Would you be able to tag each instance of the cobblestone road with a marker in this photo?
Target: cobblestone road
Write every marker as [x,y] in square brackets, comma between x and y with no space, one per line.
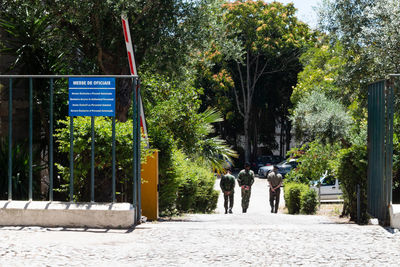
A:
[256,238]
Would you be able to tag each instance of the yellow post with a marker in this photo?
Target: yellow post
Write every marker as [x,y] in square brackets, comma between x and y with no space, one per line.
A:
[149,197]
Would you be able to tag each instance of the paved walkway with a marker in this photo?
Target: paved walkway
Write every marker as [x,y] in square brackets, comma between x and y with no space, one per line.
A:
[257,238]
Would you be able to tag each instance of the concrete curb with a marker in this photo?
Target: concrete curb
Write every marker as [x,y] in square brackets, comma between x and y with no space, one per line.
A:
[66,214]
[394,211]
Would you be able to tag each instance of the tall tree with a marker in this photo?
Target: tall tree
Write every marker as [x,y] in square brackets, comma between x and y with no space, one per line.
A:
[271,39]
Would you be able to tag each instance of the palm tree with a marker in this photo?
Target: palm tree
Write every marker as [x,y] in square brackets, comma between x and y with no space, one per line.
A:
[213,151]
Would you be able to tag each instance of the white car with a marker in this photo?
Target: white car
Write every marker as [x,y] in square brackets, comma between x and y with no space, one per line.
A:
[329,188]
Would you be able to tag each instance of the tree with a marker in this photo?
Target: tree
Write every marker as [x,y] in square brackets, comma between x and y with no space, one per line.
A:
[381,36]
[317,117]
[87,36]
[173,108]
[323,65]
[271,39]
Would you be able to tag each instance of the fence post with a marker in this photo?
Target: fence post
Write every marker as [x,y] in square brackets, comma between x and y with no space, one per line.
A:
[30,135]
[139,137]
[358,205]
[113,158]
[134,133]
[10,142]
[51,143]
[92,162]
[71,158]
[319,193]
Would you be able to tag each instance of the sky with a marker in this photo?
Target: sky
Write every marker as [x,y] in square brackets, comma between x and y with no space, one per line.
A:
[305,11]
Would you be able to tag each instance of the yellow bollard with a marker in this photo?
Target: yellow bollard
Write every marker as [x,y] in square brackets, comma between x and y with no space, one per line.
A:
[149,174]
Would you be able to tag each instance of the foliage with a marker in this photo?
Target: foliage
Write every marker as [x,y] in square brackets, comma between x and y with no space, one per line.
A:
[185,185]
[315,159]
[168,179]
[196,189]
[173,107]
[26,25]
[317,117]
[20,172]
[352,171]
[323,65]
[175,124]
[381,37]
[396,159]
[292,195]
[103,163]
[270,39]
[346,21]
[308,201]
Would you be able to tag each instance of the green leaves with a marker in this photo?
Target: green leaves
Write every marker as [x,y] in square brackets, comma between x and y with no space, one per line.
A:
[103,156]
[173,108]
[315,159]
[317,117]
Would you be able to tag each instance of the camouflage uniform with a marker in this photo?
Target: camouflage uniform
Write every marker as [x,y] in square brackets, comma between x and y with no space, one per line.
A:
[227,185]
[274,179]
[245,180]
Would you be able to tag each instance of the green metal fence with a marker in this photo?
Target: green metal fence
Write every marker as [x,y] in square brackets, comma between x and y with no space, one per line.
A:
[135,149]
[380,149]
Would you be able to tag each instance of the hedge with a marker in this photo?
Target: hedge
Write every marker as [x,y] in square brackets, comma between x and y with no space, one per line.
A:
[300,198]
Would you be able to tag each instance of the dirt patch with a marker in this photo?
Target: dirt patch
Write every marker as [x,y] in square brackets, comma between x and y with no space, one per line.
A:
[333,211]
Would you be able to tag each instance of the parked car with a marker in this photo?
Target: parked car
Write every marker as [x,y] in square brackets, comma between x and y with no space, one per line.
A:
[283,168]
[287,166]
[329,187]
[266,160]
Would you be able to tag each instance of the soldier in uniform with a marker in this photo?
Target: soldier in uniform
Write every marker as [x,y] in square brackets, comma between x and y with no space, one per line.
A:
[246,180]
[275,183]
[227,185]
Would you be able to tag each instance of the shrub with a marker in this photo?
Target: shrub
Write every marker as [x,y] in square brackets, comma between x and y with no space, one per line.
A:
[352,170]
[167,176]
[196,186]
[315,158]
[103,162]
[308,201]
[292,195]
[20,171]
[319,117]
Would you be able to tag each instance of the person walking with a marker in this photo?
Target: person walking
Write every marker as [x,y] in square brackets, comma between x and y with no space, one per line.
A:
[275,183]
[227,185]
[245,181]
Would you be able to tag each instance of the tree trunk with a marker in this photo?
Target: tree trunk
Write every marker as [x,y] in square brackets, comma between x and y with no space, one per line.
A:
[246,137]
[255,141]
[282,139]
[288,135]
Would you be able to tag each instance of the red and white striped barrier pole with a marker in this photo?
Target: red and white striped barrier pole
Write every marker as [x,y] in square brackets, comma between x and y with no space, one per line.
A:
[132,67]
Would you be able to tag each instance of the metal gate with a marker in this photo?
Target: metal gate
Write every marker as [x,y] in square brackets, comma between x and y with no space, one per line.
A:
[135,149]
[380,149]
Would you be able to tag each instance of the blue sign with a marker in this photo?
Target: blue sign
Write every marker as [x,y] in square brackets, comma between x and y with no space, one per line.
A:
[91,96]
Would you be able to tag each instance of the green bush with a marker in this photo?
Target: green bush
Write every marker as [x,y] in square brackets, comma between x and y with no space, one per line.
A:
[20,171]
[103,158]
[167,176]
[196,186]
[352,171]
[292,195]
[315,158]
[308,201]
